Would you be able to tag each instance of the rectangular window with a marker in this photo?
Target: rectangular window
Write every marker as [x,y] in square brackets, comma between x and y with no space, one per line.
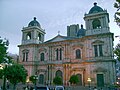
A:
[26,56]
[60,54]
[23,57]
[42,56]
[57,54]
[78,54]
[100,50]
[95,50]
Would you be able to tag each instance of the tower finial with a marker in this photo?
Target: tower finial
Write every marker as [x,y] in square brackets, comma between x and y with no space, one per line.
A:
[81,26]
[58,32]
[34,18]
[95,4]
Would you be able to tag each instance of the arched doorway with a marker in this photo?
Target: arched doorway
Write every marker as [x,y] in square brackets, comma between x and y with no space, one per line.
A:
[80,79]
[58,73]
[41,79]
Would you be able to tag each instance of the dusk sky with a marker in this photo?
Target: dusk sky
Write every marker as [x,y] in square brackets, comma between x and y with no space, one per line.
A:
[53,16]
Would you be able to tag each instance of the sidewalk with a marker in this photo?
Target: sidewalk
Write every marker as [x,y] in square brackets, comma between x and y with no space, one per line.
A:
[85,88]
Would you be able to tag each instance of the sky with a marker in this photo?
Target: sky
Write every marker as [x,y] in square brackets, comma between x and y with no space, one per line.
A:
[53,16]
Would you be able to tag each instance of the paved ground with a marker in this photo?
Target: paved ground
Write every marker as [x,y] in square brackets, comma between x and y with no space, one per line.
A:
[20,87]
[86,88]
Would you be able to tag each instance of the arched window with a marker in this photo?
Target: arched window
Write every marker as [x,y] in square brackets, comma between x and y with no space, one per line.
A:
[39,37]
[28,36]
[42,56]
[78,54]
[58,73]
[96,24]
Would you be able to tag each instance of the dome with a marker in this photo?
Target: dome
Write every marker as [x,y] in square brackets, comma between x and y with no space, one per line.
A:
[95,9]
[81,32]
[34,23]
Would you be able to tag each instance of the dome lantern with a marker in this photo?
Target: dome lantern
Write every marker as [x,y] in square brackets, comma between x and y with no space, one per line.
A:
[95,9]
[34,23]
[81,32]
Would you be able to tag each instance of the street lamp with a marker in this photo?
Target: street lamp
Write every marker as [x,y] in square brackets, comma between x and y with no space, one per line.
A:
[89,81]
[27,81]
[35,78]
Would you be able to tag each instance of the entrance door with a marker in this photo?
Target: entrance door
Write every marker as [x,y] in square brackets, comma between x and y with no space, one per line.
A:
[100,80]
[41,79]
[80,79]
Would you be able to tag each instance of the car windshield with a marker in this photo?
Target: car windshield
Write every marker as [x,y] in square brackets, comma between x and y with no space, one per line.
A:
[41,88]
[59,88]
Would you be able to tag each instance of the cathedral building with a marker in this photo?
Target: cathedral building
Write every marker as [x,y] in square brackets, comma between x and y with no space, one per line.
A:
[87,53]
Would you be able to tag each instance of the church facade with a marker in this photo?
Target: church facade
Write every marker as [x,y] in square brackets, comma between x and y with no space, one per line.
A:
[87,53]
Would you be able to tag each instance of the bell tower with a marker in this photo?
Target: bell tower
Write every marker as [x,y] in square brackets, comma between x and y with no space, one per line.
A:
[97,21]
[33,34]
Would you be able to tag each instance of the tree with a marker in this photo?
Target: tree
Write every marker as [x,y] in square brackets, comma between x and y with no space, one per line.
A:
[117,13]
[117,51]
[74,79]
[57,80]
[3,49]
[16,73]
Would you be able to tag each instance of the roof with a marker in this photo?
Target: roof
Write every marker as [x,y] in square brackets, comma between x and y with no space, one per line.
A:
[95,9]
[59,38]
[34,23]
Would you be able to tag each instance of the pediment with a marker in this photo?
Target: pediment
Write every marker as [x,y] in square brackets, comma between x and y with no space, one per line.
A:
[100,69]
[98,42]
[57,38]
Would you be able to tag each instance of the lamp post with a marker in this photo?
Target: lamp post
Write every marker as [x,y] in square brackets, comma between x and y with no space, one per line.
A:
[89,81]
[27,81]
[35,78]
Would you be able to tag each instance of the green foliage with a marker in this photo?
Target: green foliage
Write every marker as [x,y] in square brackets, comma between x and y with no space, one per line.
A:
[16,73]
[117,13]
[33,79]
[117,51]
[74,79]
[3,49]
[57,80]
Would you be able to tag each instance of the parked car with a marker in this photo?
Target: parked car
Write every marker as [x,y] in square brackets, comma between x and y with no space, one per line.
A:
[59,88]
